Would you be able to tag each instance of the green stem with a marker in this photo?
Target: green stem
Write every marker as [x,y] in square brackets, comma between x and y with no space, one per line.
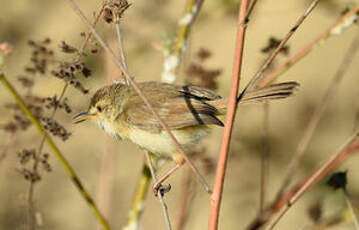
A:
[137,208]
[75,179]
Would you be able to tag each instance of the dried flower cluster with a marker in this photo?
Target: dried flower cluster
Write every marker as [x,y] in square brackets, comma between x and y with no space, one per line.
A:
[199,75]
[19,121]
[55,128]
[41,57]
[68,72]
[114,10]
[32,174]
[53,102]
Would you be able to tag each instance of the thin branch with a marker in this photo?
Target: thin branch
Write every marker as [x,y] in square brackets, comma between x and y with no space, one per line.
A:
[257,77]
[159,192]
[75,179]
[122,51]
[94,22]
[174,55]
[140,93]
[216,197]
[318,113]
[349,148]
[249,12]
[337,28]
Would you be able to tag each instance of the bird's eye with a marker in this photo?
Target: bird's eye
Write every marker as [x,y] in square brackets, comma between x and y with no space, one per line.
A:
[99,108]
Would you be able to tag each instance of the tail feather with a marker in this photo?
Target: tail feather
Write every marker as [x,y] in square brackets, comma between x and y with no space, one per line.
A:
[272,92]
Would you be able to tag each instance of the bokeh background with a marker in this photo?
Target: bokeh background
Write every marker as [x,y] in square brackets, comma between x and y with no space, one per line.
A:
[90,150]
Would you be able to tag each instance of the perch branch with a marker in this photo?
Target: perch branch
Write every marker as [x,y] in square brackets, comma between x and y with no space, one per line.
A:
[216,197]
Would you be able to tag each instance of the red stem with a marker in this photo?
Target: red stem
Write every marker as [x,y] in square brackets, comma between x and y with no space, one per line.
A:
[216,197]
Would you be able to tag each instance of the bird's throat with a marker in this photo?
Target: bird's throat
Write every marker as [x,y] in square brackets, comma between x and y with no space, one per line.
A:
[108,128]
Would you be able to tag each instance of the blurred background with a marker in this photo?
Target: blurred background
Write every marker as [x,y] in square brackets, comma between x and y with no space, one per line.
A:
[110,169]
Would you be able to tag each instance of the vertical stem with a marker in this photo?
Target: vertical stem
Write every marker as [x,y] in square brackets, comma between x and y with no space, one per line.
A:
[137,207]
[216,196]
[159,193]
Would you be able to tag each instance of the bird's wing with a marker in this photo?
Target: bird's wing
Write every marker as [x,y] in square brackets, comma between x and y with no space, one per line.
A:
[178,106]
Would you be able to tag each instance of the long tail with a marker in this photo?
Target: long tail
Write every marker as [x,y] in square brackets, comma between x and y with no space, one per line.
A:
[271,92]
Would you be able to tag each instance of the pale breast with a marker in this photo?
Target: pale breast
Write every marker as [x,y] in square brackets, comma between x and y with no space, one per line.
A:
[161,143]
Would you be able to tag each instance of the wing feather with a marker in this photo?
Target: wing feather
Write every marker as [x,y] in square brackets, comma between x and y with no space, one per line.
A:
[178,106]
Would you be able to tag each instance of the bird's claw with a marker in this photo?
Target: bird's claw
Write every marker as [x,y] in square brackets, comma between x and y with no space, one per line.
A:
[162,189]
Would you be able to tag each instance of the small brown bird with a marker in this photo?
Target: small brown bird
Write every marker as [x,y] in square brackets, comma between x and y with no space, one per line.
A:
[189,112]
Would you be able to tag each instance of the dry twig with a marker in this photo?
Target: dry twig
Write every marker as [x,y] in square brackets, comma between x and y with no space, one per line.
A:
[288,199]
[258,76]
[159,192]
[216,197]
[337,28]
[318,113]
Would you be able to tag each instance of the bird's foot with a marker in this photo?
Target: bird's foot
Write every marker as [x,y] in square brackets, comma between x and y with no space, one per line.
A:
[162,189]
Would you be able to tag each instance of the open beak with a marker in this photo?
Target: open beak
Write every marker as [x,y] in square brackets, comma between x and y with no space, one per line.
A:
[83,116]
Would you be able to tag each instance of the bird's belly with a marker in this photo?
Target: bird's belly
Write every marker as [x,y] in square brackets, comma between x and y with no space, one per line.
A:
[161,143]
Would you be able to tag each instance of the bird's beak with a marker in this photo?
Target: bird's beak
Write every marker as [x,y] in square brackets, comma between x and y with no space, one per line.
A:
[83,116]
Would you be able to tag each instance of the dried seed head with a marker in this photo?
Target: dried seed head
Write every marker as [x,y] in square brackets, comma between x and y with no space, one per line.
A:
[114,10]
[55,128]
[41,57]
[107,15]
[66,48]
[25,155]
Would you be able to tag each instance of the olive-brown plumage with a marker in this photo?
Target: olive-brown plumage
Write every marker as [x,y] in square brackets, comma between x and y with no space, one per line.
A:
[189,112]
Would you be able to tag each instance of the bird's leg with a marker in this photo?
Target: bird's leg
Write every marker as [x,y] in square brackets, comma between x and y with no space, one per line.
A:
[158,184]
[179,159]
